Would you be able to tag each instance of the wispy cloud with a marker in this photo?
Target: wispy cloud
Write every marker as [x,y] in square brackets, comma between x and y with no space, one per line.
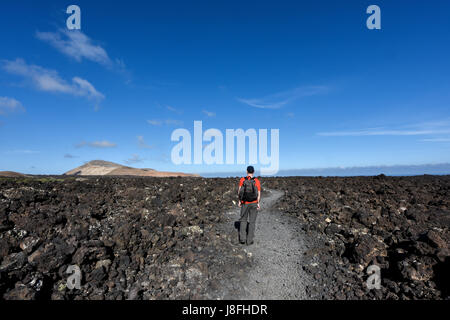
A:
[69,156]
[378,132]
[10,105]
[280,99]
[436,140]
[418,129]
[168,122]
[142,144]
[76,45]
[173,122]
[172,109]
[154,122]
[135,158]
[22,151]
[162,157]
[96,144]
[50,81]
[209,113]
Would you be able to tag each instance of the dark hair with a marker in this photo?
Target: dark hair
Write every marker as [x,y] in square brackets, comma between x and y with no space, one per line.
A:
[250,169]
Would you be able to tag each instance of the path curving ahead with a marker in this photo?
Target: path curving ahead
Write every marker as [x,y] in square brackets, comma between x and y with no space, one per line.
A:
[277,255]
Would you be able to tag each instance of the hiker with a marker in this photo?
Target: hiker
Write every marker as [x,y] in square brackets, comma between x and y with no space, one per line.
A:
[249,195]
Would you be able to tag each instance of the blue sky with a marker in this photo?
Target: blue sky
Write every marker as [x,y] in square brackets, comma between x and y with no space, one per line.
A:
[340,94]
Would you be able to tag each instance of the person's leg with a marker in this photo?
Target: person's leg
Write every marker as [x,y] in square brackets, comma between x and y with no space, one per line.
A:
[252,213]
[243,223]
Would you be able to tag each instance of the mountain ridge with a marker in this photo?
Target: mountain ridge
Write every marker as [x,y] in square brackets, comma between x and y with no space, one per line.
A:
[108,168]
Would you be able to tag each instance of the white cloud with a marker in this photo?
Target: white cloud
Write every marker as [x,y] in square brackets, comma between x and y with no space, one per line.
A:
[50,81]
[262,104]
[163,157]
[22,151]
[170,108]
[436,140]
[209,113]
[96,144]
[75,44]
[9,105]
[154,122]
[382,133]
[142,143]
[134,159]
[78,46]
[86,88]
[418,129]
[279,100]
[173,122]
[69,156]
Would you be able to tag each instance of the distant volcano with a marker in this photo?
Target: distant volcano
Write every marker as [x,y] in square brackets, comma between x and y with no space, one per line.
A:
[11,174]
[106,168]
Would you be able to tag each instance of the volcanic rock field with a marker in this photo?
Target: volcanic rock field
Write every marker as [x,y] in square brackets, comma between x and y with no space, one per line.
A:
[174,238]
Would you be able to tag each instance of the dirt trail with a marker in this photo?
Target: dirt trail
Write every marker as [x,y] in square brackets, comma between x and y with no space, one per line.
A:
[277,255]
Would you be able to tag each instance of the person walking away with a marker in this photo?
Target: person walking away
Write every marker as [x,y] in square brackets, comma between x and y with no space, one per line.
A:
[249,196]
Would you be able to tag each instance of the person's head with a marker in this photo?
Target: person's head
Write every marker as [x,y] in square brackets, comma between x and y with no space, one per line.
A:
[250,170]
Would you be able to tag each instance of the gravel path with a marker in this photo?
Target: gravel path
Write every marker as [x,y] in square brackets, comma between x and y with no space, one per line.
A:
[277,255]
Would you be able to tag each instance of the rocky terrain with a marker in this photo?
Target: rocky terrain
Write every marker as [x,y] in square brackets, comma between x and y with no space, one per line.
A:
[133,238]
[164,238]
[400,224]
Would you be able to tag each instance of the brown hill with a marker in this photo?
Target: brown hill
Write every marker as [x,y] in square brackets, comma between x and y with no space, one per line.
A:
[11,174]
[106,168]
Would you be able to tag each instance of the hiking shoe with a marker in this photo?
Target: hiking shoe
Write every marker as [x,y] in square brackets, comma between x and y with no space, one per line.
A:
[250,243]
[242,242]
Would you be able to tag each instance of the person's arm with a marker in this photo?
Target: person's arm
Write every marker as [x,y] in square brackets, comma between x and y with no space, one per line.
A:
[239,200]
[259,197]
[259,192]
[240,186]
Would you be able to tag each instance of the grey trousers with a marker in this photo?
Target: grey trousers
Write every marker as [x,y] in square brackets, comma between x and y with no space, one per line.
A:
[248,213]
